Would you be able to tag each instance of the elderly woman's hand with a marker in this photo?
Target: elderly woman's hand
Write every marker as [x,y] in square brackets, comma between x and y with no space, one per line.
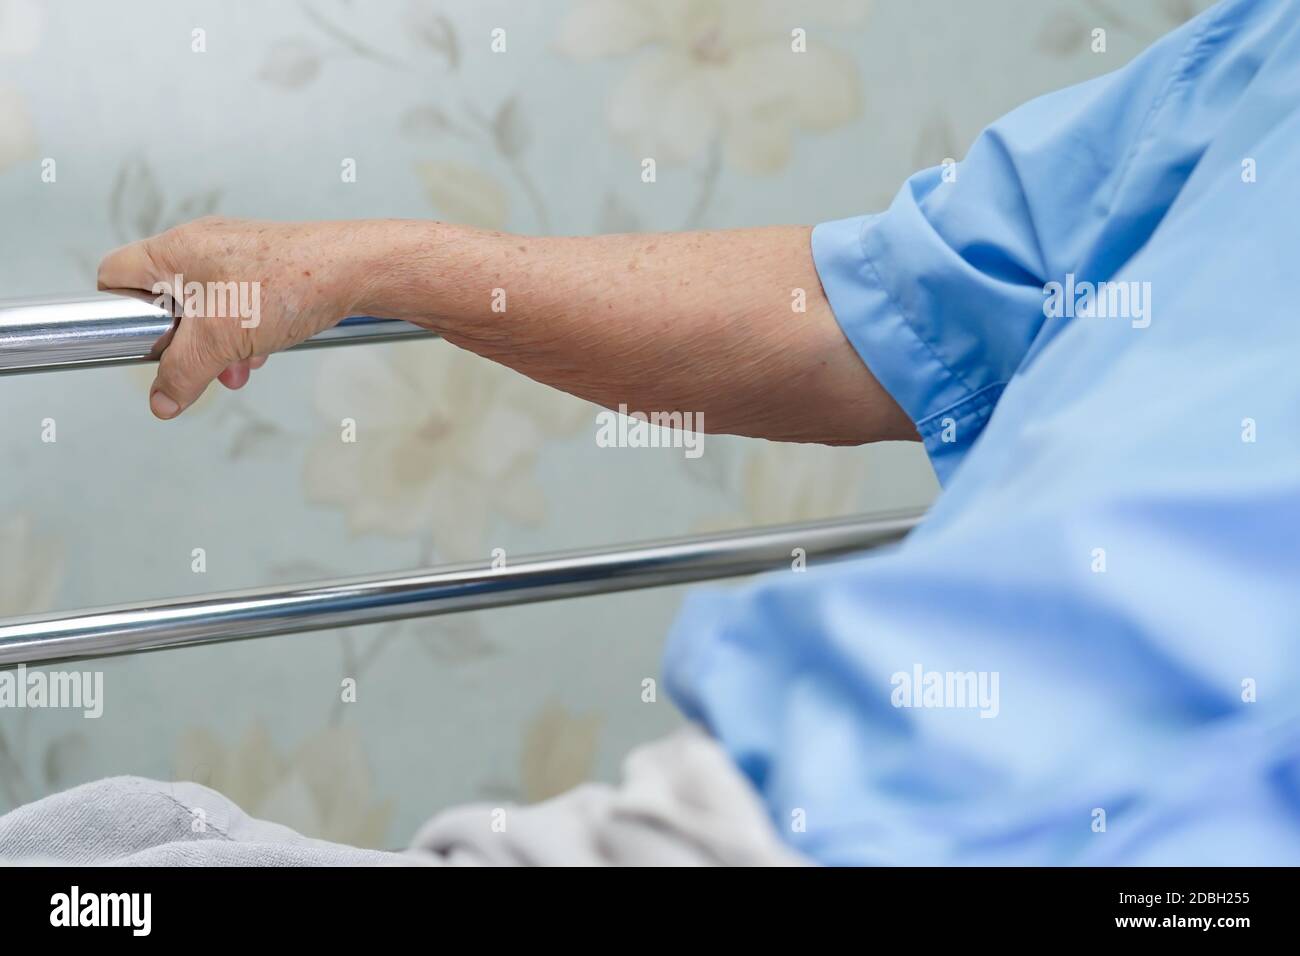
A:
[261,287]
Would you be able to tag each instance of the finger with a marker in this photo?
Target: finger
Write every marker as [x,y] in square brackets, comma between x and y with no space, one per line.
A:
[193,359]
[235,376]
[129,267]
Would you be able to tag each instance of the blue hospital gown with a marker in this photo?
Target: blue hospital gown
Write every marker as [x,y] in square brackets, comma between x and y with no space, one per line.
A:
[1116,540]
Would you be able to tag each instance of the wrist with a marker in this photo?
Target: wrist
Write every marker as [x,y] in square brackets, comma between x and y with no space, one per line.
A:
[400,268]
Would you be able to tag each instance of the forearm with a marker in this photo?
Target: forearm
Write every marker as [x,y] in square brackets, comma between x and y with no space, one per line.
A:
[731,326]
[702,322]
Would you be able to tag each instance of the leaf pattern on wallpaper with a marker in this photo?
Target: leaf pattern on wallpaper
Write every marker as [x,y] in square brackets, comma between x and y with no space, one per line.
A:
[63,755]
[1113,15]
[1063,32]
[135,202]
[617,216]
[253,437]
[322,788]
[291,63]
[14,787]
[137,205]
[347,39]
[1179,11]
[431,28]
[559,752]
[934,143]
[465,194]
[507,132]
[454,640]
[1067,31]
[424,122]
[451,641]
[199,205]
[253,433]
[294,62]
[510,129]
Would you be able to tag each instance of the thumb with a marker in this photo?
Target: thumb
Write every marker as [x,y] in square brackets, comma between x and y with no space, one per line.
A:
[192,359]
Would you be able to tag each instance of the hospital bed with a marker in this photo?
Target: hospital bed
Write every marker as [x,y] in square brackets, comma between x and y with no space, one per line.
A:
[60,334]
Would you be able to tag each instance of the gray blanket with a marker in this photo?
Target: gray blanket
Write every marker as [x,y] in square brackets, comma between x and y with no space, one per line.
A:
[681,802]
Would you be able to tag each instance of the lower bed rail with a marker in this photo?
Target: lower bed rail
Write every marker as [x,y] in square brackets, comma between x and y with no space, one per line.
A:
[264,612]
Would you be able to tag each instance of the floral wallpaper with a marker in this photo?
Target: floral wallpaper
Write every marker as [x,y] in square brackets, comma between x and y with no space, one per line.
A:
[119,120]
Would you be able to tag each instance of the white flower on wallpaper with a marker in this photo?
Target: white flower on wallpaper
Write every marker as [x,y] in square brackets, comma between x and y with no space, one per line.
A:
[720,72]
[17,134]
[322,789]
[32,567]
[20,27]
[446,443]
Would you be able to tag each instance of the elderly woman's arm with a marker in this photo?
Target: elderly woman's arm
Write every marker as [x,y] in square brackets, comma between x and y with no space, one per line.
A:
[732,325]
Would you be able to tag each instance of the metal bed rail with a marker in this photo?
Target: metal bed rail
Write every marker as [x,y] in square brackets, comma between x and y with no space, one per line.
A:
[118,328]
[109,328]
[267,611]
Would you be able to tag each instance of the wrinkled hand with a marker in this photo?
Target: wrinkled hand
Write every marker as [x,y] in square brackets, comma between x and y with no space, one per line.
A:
[291,280]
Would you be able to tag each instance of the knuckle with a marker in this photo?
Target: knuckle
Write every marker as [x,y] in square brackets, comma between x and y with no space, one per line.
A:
[160,253]
[223,343]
